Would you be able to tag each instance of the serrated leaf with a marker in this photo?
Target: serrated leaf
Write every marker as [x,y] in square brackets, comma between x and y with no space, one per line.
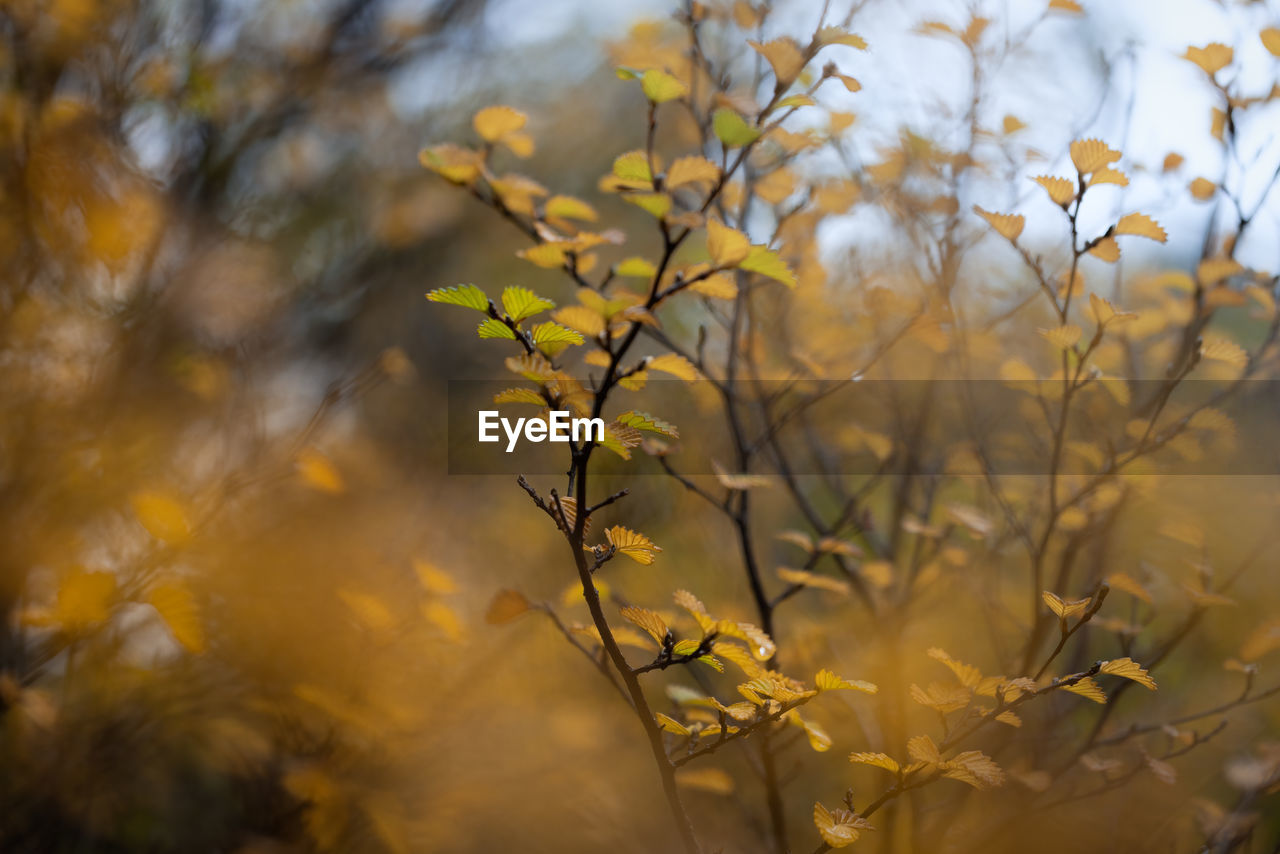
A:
[1106,249]
[879,760]
[825,680]
[727,246]
[838,828]
[580,318]
[766,262]
[812,579]
[839,35]
[645,421]
[922,749]
[519,395]
[493,328]
[1127,668]
[1064,608]
[1089,689]
[1060,190]
[672,725]
[1090,155]
[1141,225]
[521,303]
[1008,226]
[551,332]
[467,296]
[1224,350]
[732,129]
[633,544]
[633,166]
[655,204]
[648,621]
[691,170]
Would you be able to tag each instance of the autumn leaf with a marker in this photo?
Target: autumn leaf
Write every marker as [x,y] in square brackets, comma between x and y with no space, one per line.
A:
[1129,669]
[1211,58]
[732,129]
[1060,190]
[784,57]
[162,515]
[1008,226]
[660,87]
[879,760]
[838,828]
[1091,155]
[1142,226]
[634,545]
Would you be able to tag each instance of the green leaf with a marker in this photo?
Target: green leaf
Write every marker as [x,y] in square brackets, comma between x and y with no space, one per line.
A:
[659,86]
[467,296]
[686,646]
[766,262]
[732,129]
[492,328]
[520,303]
[553,333]
[625,73]
[645,421]
[633,166]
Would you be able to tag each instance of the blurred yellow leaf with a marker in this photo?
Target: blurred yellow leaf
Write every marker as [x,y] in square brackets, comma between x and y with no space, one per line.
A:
[493,124]
[1008,226]
[162,515]
[177,607]
[319,472]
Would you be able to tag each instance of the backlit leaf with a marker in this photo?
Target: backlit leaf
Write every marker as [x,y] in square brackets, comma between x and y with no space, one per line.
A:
[784,57]
[467,296]
[648,621]
[493,328]
[732,129]
[1060,190]
[1089,689]
[1090,155]
[505,606]
[766,262]
[691,170]
[879,760]
[497,122]
[1127,668]
[660,87]
[1211,58]
[727,246]
[162,515]
[634,545]
[828,681]
[675,365]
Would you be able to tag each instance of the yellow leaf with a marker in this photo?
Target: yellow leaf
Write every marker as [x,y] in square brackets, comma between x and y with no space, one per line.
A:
[177,607]
[784,56]
[1172,161]
[739,482]
[319,472]
[1224,350]
[162,515]
[567,207]
[922,749]
[1090,155]
[84,599]
[1261,641]
[727,246]
[828,681]
[715,286]
[766,262]
[1012,124]
[433,579]
[1062,337]
[838,828]
[1068,6]
[712,780]
[647,620]
[675,365]
[655,204]
[1008,226]
[1271,40]
[497,122]
[975,768]
[1130,585]
[1211,58]
[1064,608]
[968,675]
[1060,190]
[1213,270]
[444,618]
[1142,226]
[1107,249]
[691,170]
[732,129]
[369,611]
[839,35]
[1202,189]
[451,162]
[634,545]
[812,579]
[580,318]
[633,168]
[1088,689]
[670,724]
[879,760]
[1107,175]
[1127,668]
[505,606]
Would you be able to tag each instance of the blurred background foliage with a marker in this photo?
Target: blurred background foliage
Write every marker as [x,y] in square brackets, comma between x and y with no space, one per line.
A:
[243,603]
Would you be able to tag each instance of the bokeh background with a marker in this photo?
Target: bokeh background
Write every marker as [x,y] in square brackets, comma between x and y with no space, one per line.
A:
[243,602]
